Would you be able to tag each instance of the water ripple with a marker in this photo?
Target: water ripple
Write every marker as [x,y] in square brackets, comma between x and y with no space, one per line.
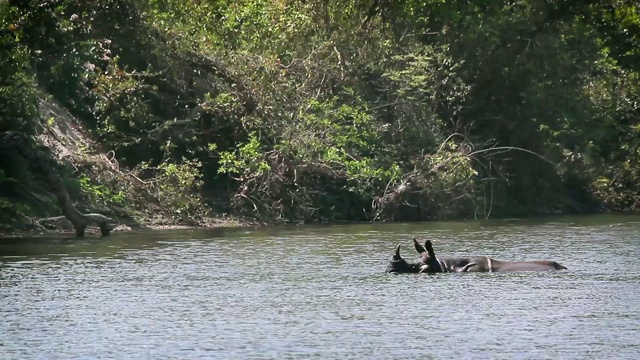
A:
[319,292]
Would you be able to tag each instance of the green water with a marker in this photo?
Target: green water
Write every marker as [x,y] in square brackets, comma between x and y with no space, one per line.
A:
[321,292]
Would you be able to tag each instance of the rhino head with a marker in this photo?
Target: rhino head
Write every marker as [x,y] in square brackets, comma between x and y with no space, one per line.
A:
[426,262]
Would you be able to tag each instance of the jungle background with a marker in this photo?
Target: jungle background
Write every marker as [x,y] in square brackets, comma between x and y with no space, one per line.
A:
[277,111]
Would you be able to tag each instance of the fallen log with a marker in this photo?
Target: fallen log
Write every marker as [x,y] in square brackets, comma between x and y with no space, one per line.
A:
[79,220]
[20,143]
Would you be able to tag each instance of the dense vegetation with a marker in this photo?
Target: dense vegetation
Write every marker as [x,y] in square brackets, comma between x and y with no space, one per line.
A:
[333,110]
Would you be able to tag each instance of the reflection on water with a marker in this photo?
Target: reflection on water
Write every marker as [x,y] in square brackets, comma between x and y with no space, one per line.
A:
[321,292]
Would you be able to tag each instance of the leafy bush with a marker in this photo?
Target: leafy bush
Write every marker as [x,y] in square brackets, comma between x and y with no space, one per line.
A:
[320,111]
[176,190]
[18,111]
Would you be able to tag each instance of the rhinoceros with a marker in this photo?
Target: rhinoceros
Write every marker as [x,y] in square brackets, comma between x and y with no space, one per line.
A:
[428,262]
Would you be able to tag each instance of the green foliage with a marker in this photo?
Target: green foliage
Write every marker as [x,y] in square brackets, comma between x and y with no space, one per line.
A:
[10,209]
[100,194]
[615,143]
[177,188]
[246,161]
[355,110]
[120,108]
[18,106]
[346,138]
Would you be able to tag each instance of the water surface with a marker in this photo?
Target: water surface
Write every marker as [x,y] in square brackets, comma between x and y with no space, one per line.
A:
[321,292]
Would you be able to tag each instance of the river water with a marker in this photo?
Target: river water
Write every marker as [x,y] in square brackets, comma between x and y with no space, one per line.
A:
[321,292]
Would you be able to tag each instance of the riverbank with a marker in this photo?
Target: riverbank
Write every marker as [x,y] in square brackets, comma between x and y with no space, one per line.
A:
[66,228]
[95,182]
[172,113]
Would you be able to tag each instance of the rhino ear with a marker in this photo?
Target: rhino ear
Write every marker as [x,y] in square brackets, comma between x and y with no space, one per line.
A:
[429,247]
[417,245]
[397,256]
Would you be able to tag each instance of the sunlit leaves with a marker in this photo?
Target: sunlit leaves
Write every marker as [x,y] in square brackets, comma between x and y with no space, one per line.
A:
[247,160]
[307,105]
[18,110]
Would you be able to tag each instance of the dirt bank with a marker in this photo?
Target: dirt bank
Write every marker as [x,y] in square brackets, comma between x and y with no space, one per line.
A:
[95,181]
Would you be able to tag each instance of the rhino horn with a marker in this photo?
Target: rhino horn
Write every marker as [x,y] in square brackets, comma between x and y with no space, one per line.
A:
[397,254]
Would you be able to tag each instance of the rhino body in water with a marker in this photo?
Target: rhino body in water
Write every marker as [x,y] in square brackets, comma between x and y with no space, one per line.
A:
[428,262]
